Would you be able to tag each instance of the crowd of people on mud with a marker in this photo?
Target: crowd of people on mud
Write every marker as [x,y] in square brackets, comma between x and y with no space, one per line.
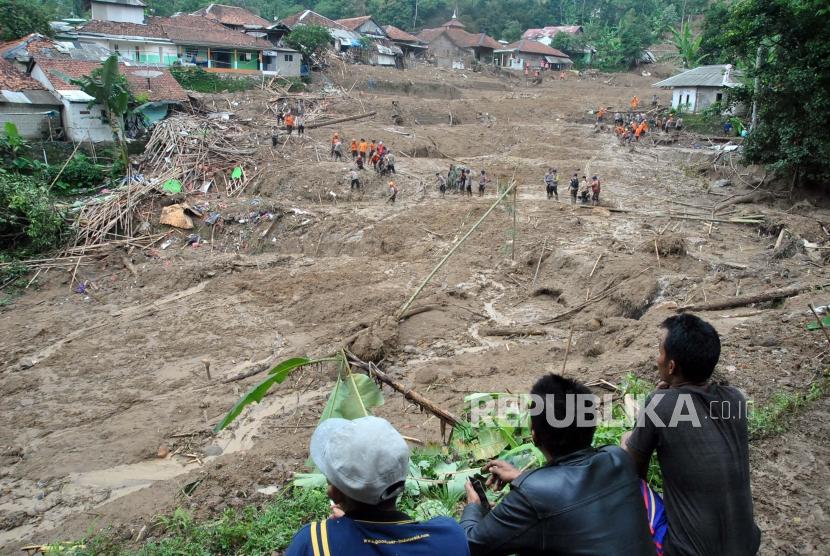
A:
[585,499]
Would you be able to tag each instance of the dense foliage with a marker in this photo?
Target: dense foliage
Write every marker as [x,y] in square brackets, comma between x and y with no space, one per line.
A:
[793,93]
[21,18]
[308,39]
[201,81]
[28,219]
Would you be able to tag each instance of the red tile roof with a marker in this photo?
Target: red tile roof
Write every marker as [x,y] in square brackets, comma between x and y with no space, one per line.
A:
[400,35]
[232,15]
[156,87]
[197,30]
[151,30]
[533,47]
[180,29]
[353,23]
[308,17]
[156,82]
[460,38]
[11,79]
[454,22]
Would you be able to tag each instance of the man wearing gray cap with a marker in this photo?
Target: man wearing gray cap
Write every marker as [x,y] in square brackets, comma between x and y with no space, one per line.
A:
[365,462]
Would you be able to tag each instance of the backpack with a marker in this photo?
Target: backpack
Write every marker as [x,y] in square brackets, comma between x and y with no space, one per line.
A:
[574,183]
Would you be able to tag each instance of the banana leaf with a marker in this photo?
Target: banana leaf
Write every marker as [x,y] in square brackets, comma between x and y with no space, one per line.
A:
[816,326]
[353,397]
[310,480]
[275,376]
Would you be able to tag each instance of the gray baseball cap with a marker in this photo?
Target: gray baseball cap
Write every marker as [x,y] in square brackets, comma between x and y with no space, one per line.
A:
[366,458]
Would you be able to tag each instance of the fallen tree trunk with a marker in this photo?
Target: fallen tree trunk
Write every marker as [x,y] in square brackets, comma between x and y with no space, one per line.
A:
[746,299]
[444,416]
[340,120]
[518,331]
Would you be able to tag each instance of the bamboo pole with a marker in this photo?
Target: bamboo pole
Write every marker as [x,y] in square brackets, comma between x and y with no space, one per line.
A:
[567,350]
[455,247]
[539,263]
[820,323]
[515,228]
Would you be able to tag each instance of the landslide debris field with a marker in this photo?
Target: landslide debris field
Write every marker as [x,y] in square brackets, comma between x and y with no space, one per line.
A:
[96,386]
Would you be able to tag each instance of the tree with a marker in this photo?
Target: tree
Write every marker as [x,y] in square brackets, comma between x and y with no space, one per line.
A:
[308,39]
[688,48]
[22,18]
[712,38]
[793,83]
[108,88]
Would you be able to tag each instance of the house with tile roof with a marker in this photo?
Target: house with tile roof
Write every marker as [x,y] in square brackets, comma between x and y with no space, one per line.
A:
[27,104]
[410,45]
[242,20]
[365,25]
[203,40]
[533,55]
[451,45]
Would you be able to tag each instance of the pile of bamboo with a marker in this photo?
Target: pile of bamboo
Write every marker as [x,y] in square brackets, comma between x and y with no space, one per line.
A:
[199,152]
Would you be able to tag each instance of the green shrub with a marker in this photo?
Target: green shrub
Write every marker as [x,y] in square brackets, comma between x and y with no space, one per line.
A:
[28,218]
[80,173]
[201,81]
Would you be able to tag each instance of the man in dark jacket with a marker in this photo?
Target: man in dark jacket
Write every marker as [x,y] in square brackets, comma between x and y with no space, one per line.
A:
[585,501]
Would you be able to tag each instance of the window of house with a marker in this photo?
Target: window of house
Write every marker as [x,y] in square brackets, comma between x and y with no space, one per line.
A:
[289,57]
[719,97]
[137,53]
[245,57]
[115,47]
[687,99]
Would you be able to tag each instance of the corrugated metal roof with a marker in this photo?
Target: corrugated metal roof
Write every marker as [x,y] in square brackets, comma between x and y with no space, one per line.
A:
[705,76]
[74,96]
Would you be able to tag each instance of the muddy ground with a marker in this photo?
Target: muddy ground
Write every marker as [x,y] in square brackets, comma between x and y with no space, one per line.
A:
[95,387]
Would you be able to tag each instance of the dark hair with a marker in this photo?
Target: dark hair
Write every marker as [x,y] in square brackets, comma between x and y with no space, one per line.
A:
[560,391]
[693,344]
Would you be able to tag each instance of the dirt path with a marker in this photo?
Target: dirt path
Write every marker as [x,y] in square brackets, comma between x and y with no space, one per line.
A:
[94,386]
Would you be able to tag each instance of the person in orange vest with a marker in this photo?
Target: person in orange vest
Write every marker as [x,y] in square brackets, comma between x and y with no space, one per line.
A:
[381,148]
[289,122]
[354,149]
[375,159]
[363,148]
[371,149]
[635,102]
[640,130]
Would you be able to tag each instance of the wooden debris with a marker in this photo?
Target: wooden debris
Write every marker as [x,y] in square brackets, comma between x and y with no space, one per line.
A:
[517,331]
[731,303]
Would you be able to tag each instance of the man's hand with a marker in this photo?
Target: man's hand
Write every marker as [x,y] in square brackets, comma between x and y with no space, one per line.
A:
[472,495]
[502,473]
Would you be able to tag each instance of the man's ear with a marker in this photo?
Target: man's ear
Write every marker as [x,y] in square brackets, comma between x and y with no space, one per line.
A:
[335,495]
[672,368]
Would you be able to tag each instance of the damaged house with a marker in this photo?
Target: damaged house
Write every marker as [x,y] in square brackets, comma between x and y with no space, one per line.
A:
[531,54]
[381,51]
[452,46]
[42,70]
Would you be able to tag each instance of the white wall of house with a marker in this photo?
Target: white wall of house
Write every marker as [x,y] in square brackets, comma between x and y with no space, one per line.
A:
[32,120]
[84,123]
[139,50]
[117,12]
[696,99]
[277,62]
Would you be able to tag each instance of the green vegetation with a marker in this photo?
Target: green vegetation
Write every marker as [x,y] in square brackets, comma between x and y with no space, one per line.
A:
[201,81]
[688,47]
[250,530]
[21,18]
[109,89]
[29,223]
[309,40]
[774,417]
[792,95]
